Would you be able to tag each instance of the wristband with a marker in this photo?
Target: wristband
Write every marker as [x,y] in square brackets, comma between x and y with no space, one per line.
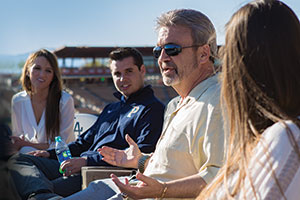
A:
[141,163]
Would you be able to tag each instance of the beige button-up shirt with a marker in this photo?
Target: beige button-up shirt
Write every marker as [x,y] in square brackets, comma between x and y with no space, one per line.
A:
[192,140]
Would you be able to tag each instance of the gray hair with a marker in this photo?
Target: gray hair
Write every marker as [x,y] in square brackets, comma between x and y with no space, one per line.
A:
[202,29]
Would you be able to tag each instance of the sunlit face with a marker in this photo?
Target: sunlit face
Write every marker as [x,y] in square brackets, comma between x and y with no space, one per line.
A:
[127,78]
[176,69]
[41,74]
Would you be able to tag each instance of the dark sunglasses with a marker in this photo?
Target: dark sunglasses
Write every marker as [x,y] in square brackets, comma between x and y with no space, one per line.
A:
[171,49]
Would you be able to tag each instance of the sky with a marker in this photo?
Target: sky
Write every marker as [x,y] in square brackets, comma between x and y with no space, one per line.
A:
[28,25]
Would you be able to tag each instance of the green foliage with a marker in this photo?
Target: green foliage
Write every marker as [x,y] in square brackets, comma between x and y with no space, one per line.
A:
[21,64]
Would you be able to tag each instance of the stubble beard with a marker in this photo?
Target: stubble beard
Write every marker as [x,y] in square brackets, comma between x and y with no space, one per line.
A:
[169,81]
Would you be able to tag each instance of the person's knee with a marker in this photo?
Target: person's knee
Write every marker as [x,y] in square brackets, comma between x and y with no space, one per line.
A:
[26,158]
[19,160]
[94,185]
[104,187]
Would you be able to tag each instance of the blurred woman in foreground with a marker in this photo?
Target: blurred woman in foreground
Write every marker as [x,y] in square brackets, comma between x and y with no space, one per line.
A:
[261,105]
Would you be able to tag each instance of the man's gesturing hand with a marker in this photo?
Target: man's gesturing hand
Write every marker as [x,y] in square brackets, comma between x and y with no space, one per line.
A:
[123,158]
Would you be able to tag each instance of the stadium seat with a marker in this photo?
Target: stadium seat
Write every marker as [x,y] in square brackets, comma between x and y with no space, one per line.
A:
[82,122]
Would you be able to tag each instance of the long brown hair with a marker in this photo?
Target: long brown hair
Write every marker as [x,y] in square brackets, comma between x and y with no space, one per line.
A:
[260,83]
[54,94]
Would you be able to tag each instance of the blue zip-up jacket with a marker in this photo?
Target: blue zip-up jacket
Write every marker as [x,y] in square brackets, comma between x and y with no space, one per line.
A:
[140,116]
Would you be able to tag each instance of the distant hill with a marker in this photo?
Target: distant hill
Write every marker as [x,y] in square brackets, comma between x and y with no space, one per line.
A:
[12,63]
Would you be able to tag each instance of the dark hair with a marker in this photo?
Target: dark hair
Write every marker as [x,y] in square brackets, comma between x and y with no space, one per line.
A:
[125,52]
[54,94]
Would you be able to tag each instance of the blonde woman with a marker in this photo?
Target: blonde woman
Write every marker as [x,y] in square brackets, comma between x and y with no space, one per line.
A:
[42,111]
[261,105]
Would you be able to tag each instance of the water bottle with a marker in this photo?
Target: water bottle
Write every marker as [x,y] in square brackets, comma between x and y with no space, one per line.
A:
[62,151]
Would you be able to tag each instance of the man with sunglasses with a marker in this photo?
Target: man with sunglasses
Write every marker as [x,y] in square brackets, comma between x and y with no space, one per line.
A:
[189,152]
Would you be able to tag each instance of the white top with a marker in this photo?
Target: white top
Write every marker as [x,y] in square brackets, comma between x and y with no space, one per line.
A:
[192,139]
[24,122]
[284,161]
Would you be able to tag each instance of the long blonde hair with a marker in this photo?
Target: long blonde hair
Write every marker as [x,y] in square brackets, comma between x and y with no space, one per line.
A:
[260,83]
[54,94]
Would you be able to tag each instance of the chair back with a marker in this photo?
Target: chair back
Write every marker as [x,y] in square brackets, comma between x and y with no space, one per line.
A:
[82,122]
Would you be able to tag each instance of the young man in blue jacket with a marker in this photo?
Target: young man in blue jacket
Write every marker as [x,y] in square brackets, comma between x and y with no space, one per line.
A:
[137,113]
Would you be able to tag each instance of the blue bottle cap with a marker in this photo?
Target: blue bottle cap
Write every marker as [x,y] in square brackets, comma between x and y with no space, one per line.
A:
[57,139]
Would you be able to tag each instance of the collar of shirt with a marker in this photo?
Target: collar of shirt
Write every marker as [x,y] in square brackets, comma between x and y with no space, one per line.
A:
[143,90]
[197,91]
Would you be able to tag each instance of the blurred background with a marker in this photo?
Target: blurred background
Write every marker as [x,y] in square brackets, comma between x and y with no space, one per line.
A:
[82,33]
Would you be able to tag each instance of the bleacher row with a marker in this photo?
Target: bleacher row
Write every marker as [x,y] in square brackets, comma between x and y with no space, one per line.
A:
[92,98]
[94,70]
[88,98]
